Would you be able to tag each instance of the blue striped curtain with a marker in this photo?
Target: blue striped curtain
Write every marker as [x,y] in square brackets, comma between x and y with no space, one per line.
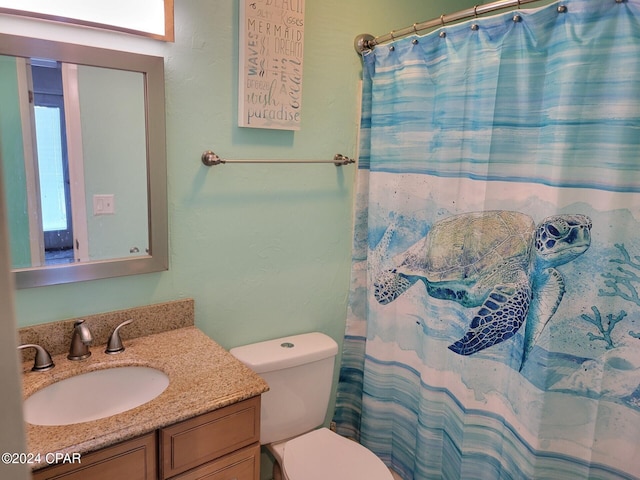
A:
[493,329]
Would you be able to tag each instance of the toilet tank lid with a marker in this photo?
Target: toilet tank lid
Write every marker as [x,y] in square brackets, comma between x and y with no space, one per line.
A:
[286,352]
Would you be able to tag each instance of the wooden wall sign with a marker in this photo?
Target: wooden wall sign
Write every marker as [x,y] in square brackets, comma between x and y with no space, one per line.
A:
[270,64]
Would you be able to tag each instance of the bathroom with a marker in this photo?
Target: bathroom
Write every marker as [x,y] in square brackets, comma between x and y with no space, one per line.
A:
[264,250]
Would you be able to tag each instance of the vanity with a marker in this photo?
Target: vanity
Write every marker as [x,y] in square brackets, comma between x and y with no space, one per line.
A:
[205,424]
[222,444]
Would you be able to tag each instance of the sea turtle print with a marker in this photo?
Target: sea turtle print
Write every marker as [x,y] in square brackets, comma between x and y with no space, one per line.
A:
[499,261]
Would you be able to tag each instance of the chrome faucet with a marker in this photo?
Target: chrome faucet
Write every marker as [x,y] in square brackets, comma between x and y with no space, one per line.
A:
[42,361]
[114,345]
[80,341]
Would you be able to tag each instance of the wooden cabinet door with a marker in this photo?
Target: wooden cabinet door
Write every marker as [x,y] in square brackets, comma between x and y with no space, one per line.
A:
[241,465]
[135,459]
[207,437]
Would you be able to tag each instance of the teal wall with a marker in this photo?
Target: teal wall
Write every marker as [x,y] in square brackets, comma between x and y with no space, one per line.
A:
[12,160]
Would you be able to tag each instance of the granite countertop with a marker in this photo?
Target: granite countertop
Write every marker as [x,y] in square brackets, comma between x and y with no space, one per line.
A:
[203,377]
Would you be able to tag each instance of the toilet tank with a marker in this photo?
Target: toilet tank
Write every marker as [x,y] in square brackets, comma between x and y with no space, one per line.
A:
[299,371]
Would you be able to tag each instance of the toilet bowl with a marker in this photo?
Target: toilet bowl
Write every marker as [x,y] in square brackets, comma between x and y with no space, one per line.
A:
[299,370]
[322,454]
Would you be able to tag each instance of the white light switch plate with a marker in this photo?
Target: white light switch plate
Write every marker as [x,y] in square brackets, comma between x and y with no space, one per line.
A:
[103,205]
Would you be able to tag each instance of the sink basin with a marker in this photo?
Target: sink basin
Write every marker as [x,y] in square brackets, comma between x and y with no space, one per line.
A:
[94,395]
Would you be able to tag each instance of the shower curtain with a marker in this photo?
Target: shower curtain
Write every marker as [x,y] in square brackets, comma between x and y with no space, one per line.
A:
[493,328]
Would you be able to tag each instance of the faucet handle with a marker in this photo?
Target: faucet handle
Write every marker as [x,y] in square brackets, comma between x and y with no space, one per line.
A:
[42,361]
[114,345]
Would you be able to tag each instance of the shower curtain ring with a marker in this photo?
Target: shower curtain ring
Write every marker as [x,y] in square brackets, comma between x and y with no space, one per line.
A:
[475,11]
[518,4]
[442,19]
[415,30]
[393,39]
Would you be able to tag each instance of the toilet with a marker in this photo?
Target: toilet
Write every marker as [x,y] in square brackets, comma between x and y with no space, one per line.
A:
[299,371]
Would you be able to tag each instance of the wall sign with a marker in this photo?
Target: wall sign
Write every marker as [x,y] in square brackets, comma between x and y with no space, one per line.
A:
[271,54]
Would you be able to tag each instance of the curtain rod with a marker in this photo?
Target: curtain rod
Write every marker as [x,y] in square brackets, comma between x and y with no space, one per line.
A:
[210,159]
[366,42]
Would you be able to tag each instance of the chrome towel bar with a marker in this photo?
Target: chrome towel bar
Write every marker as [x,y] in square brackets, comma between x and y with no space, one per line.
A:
[210,159]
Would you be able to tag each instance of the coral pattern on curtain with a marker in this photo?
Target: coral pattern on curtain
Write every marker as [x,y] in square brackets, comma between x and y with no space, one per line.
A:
[494,316]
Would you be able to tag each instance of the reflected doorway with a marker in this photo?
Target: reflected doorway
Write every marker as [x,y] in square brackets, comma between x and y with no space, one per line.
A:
[52,160]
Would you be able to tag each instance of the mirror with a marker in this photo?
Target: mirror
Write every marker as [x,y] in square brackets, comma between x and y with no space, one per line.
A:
[106,177]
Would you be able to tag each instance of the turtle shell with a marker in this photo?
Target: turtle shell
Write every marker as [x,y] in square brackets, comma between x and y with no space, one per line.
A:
[463,248]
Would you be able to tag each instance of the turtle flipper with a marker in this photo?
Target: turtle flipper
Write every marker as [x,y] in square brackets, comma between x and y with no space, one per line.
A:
[390,285]
[498,319]
[549,288]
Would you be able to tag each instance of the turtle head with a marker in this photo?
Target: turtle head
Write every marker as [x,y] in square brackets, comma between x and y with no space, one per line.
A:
[561,238]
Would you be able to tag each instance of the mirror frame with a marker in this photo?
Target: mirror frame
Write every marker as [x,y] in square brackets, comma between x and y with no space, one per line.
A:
[153,70]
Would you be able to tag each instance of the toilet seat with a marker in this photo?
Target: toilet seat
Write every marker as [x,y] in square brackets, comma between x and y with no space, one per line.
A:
[322,454]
